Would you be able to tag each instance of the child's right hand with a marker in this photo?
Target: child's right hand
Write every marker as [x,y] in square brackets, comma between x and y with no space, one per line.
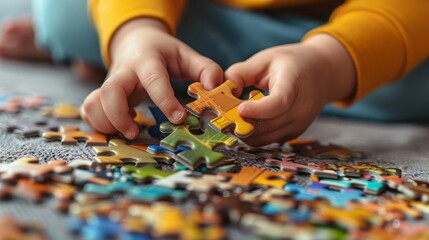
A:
[144,58]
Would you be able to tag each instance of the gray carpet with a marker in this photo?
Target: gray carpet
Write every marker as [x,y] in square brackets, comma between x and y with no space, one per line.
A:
[404,146]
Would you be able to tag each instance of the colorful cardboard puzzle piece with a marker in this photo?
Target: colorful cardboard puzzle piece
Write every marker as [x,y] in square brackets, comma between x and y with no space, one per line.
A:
[29,167]
[147,172]
[314,148]
[12,101]
[321,191]
[223,101]
[30,128]
[371,187]
[257,176]
[200,145]
[14,230]
[118,153]
[287,165]
[62,111]
[70,135]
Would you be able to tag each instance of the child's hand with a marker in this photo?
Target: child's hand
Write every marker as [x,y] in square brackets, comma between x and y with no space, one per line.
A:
[301,79]
[144,58]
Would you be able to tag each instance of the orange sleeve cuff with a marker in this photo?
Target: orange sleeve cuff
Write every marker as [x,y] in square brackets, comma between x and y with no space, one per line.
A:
[385,38]
[109,15]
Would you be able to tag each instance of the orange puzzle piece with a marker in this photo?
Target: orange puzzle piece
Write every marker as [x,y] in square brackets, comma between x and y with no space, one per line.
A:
[224,103]
[63,111]
[71,135]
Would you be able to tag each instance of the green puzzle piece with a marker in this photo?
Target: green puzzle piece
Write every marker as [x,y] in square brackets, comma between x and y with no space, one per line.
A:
[201,145]
[150,171]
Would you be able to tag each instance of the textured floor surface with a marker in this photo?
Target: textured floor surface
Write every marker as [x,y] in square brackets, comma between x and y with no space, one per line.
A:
[405,146]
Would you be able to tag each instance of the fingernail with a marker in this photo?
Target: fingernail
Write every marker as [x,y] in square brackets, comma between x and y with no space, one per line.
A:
[177,115]
[130,134]
[242,109]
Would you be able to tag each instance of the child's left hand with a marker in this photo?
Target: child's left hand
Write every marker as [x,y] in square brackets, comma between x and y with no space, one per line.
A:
[301,78]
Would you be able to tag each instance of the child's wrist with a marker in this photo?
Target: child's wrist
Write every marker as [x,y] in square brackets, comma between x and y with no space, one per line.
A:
[340,70]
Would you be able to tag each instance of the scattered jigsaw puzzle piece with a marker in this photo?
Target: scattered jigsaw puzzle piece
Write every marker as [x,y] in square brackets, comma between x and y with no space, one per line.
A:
[354,218]
[30,128]
[287,165]
[213,227]
[415,189]
[369,168]
[118,153]
[152,193]
[35,192]
[142,119]
[201,145]
[321,191]
[223,101]
[390,209]
[177,179]
[257,176]
[30,167]
[208,183]
[14,230]
[69,135]
[313,148]
[371,187]
[265,153]
[63,111]
[147,172]
[12,101]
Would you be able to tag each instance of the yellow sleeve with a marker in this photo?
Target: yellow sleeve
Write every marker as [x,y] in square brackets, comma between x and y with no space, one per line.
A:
[109,15]
[385,38]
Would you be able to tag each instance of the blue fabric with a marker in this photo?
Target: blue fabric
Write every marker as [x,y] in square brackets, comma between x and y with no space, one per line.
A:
[64,28]
[228,35]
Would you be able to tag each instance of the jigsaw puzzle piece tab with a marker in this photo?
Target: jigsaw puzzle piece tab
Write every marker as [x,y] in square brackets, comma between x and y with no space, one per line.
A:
[223,101]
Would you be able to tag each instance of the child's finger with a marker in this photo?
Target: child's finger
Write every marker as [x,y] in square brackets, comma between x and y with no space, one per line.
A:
[280,99]
[199,68]
[114,100]
[246,73]
[92,113]
[154,78]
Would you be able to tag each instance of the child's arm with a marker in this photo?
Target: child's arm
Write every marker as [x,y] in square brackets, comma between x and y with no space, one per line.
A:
[301,79]
[144,56]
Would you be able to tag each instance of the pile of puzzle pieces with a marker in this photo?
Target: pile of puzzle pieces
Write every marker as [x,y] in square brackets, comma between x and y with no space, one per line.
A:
[185,182]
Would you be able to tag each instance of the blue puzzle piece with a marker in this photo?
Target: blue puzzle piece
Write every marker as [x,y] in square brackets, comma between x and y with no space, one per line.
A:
[157,149]
[153,193]
[295,215]
[367,186]
[101,228]
[321,191]
[105,191]
[159,118]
